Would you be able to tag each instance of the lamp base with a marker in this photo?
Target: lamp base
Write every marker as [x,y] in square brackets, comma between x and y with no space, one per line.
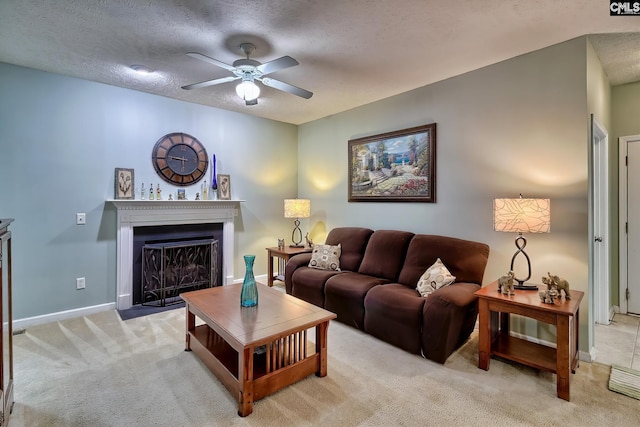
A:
[296,246]
[526,287]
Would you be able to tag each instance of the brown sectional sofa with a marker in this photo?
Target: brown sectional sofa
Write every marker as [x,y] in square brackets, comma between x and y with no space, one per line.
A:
[375,289]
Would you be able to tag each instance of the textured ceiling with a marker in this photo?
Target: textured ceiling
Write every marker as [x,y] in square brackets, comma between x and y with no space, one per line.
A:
[350,52]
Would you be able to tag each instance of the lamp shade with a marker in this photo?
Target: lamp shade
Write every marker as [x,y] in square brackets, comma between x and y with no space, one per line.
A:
[248,90]
[297,208]
[522,215]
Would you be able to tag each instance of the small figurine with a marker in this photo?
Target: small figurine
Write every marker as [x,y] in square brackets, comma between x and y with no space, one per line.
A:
[170,196]
[281,244]
[558,284]
[309,241]
[505,284]
[197,196]
[549,296]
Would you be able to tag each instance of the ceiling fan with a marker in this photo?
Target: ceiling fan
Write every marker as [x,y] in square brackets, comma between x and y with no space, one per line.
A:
[250,70]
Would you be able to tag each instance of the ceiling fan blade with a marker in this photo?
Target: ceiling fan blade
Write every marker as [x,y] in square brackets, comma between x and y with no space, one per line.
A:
[210,83]
[286,87]
[205,58]
[277,64]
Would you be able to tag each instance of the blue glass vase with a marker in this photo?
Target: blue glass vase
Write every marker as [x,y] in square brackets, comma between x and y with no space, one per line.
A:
[249,294]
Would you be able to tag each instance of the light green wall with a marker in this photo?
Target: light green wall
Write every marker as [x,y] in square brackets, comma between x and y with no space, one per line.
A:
[519,126]
[626,110]
[61,139]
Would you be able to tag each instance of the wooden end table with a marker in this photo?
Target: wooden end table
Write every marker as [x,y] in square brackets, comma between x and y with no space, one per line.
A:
[283,256]
[494,338]
[256,351]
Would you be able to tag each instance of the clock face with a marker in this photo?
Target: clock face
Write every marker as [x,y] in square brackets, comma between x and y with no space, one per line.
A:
[180,159]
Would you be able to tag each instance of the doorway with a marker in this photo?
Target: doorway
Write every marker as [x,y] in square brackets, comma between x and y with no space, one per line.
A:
[629,224]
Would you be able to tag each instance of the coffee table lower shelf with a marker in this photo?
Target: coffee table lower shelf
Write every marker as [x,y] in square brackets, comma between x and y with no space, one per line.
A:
[268,377]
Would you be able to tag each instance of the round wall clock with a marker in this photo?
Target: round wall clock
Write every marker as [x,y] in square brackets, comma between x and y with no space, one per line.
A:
[180,159]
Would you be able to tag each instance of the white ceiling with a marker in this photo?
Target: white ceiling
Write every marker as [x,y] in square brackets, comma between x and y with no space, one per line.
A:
[351,52]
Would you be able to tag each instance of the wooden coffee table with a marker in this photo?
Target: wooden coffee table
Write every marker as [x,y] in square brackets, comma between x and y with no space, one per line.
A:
[256,351]
[494,337]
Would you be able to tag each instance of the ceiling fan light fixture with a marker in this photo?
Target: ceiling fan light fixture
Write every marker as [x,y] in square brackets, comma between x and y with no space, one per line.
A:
[248,90]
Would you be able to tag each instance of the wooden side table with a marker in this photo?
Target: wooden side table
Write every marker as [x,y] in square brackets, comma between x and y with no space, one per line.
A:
[494,338]
[283,256]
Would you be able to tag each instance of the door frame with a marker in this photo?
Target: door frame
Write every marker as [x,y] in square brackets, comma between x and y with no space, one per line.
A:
[600,267]
[622,209]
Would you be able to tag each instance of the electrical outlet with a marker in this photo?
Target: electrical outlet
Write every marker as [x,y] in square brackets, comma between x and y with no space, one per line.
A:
[81,218]
[80,283]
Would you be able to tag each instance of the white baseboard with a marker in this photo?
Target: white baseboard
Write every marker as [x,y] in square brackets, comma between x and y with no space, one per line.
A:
[532,339]
[84,311]
[61,315]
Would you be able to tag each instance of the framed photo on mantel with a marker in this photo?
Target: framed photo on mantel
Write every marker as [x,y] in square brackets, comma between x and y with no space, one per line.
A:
[224,187]
[396,166]
[124,184]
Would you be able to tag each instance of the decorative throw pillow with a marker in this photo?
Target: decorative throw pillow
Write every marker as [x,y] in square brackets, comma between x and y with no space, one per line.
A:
[325,257]
[434,278]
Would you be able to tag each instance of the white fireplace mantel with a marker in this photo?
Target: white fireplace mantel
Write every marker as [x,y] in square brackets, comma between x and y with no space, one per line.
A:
[142,213]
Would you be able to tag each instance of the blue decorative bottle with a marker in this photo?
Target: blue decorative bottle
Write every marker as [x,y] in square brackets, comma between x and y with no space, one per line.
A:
[249,294]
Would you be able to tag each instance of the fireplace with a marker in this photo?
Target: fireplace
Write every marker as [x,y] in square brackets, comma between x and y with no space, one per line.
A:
[132,214]
[170,259]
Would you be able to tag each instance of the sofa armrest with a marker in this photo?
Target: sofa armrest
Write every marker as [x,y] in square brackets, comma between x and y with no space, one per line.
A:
[449,316]
[296,261]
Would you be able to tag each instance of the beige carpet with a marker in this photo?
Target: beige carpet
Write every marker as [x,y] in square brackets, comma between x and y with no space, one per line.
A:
[101,371]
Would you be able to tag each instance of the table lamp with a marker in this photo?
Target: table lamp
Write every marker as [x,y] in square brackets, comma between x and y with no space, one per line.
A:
[297,208]
[522,216]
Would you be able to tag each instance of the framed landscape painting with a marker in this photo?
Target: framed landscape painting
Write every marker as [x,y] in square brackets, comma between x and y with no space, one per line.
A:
[396,166]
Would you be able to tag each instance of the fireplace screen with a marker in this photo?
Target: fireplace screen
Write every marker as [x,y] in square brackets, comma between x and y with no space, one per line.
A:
[171,268]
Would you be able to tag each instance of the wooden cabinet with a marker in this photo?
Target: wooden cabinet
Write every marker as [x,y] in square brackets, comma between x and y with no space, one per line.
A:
[6,339]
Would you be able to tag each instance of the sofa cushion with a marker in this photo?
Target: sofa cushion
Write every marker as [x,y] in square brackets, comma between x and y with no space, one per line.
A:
[434,278]
[344,295]
[449,316]
[325,257]
[308,284]
[465,259]
[353,240]
[385,254]
[393,313]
